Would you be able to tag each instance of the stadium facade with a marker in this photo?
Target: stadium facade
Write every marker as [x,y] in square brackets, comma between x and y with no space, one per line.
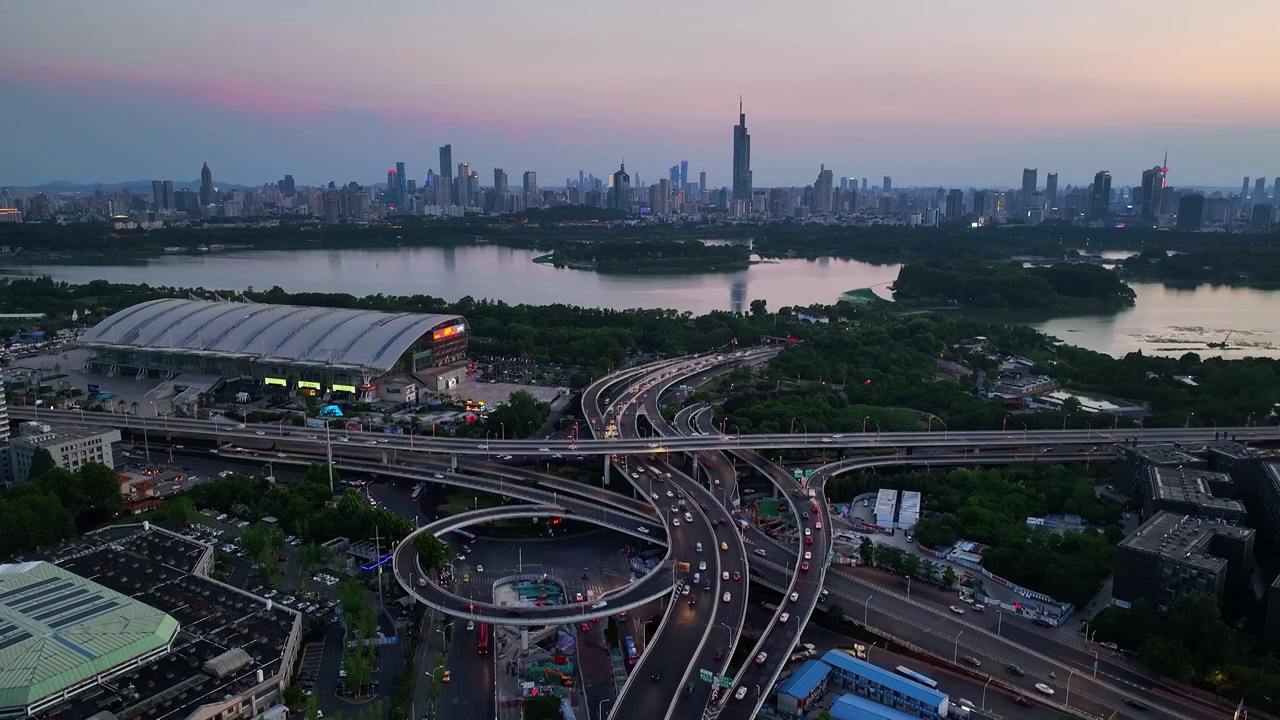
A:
[318,349]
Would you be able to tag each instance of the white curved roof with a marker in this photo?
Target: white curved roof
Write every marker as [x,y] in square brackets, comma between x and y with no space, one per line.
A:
[284,334]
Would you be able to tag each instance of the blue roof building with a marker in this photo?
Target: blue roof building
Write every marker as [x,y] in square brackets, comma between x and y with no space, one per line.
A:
[852,707]
[884,686]
[803,687]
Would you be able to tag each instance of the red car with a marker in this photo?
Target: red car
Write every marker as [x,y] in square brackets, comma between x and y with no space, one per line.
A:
[586,627]
[737,575]
[808,541]
[805,566]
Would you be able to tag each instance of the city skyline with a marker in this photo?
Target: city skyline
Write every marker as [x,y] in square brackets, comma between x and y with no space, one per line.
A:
[100,111]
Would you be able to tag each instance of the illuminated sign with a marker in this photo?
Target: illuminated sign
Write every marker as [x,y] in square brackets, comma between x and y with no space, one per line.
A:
[449,331]
[344,388]
[274,381]
[308,384]
[368,388]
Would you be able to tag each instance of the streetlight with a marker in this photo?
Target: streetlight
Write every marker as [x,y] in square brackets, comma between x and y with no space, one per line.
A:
[955,656]
[999,622]
[866,610]
[908,587]
[984,692]
[1067,699]
[600,708]
[1187,424]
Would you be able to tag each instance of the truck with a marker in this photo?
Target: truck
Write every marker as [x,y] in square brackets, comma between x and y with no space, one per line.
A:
[803,651]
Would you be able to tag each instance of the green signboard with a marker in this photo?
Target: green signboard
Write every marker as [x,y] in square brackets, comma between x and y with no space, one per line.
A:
[704,675]
[726,682]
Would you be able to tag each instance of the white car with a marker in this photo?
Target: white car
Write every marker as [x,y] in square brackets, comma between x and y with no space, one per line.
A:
[437,476]
[688,517]
[702,565]
[795,596]
[741,693]
[807,532]
[957,609]
[259,432]
[654,496]
[761,658]
[784,617]
[675,522]
[726,597]
[808,555]
[1044,689]
[724,575]
[670,494]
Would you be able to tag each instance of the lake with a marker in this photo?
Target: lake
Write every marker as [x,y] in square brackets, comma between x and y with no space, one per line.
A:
[1164,321]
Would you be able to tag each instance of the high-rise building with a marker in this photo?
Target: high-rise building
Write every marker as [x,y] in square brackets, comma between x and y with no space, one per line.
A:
[500,181]
[741,157]
[402,181]
[530,181]
[1051,190]
[702,180]
[663,206]
[620,190]
[674,175]
[1244,188]
[1260,219]
[1275,190]
[864,185]
[206,185]
[1190,211]
[822,188]
[1100,196]
[684,174]
[1029,176]
[157,194]
[955,204]
[392,184]
[288,187]
[981,200]
[1152,189]
[887,186]
[1259,189]
[446,161]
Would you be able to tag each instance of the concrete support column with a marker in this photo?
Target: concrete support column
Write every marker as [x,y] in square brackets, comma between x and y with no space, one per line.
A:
[608,469]
[453,463]
[524,638]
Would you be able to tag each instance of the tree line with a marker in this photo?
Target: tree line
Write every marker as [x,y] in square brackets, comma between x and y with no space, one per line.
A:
[55,504]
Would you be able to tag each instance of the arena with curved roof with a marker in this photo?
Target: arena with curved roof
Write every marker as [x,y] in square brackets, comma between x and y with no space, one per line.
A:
[288,345]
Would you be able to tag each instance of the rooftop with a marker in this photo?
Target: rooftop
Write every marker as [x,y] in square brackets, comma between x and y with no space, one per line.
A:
[58,629]
[886,501]
[1183,538]
[63,432]
[1161,454]
[856,707]
[886,678]
[803,681]
[1190,485]
[910,502]
[282,334]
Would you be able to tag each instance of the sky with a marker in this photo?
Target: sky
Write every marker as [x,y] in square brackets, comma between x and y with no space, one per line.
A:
[931,92]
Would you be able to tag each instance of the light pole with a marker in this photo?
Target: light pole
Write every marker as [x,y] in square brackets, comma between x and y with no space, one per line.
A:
[600,708]
[503,428]
[984,692]
[146,443]
[908,587]
[955,655]
[999,622]
[1067,699]
[866,610]
[1187,424]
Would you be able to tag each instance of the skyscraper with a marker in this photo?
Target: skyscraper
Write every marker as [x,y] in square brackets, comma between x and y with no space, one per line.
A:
[674,176]
[741,157]
[446,161]
[1100,196]
[206,185]
[702,181]
[620,190]
[955,204]
[157,194]
[1190,211]
[1051,189]
[288,187]
[530,181]
[402,181]
[684,174]
[1275,190]
[1029,176]
[980,200]
[500,181]
[1259,189]
[822,190]
[1244,189]
[1152,189]
[887,185]
[663,197]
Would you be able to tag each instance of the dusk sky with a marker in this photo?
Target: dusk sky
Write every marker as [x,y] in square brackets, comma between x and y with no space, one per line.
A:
[932,92]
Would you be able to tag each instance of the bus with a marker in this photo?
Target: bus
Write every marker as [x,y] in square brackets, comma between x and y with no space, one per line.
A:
[629,645]
[464,535]
[482,639]
[922,679]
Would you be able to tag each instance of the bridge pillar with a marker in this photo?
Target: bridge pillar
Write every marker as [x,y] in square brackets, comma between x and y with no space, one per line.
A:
[524,638]
[453,463]
[608,468]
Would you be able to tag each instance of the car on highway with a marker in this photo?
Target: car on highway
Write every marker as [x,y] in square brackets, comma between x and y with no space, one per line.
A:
[804,566]
[688,517]
[726,597]
[971,660]
[784,617]
[761,658]
[808,555]
[808,532]
[737,575]
[654,496]
[446,677]
[957,609]
[1022,700]
[724,575]
[259,432]
[669,494]
[544,449]
[657,675]
[741,693]
[818,525]
[1044,689]
[808,541]
[826,440]
[1015,671]
[760,552]
[675,522]
[724,545]
[437,476]
[586,627]
[1134,704]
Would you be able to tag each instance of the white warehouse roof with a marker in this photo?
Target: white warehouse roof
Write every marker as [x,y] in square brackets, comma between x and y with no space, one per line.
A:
[284,334]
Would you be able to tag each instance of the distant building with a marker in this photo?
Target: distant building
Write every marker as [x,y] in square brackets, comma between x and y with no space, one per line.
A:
[955,204]
[1133,461]
[1268,501]
[620,190]
[1051,190]
[1170,555]
[822,190]
[446,161]
[1029,176]
[1260,219]
[530,181]
[1190,211]
[206,185]
[1100,196]
[909,509]
[741,158]
[1244,188]
[71,447]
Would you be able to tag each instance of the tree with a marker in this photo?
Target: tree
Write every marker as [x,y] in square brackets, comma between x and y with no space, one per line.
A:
[99,485]
[359,669]
[546,707]
[41,463]
[432,552]
[318,474]
[759,308]
[293,696]
[866,550]
[180,511]
[948,578]
[836,612]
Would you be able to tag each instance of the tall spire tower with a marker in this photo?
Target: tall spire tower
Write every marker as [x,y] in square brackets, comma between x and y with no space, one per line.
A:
[741,157]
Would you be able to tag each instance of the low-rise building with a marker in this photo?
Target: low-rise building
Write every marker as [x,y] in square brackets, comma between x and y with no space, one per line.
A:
[1172,554]
[71,447]
[909,509]
[1267,492]
[887,508]
[1201,493]
[853,707]
[803,688]
[884,686]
